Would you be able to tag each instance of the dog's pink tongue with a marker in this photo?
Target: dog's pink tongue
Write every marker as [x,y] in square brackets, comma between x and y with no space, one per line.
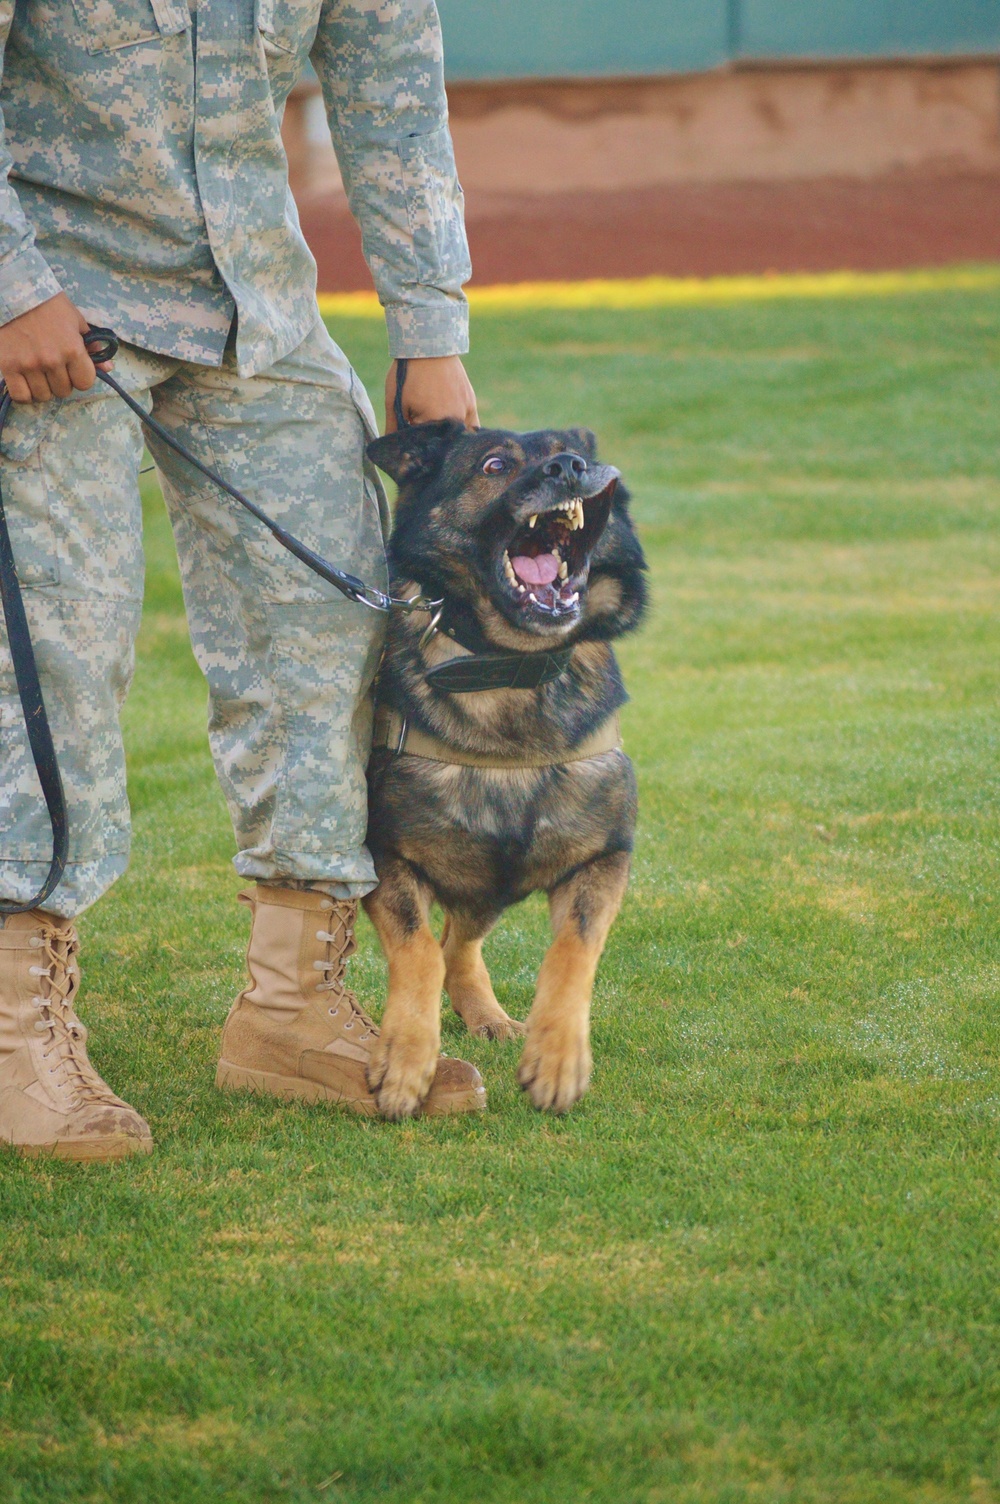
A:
[540,570]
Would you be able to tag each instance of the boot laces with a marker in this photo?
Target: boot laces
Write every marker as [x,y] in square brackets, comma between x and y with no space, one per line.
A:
[65,1045]
[341,945]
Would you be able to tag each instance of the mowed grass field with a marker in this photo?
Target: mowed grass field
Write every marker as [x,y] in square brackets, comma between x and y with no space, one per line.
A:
[759,1262]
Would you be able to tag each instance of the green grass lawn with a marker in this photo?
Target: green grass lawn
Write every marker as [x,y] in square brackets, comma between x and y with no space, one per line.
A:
[759,1262]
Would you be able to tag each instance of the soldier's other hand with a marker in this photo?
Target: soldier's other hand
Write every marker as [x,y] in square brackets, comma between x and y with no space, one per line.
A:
[435,387]
[42,354]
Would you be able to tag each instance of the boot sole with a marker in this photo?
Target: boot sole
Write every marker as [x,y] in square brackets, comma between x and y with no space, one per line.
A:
[115,1146]
[230,1077]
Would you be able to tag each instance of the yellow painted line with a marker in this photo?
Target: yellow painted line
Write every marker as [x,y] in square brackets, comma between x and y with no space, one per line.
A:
[671,292]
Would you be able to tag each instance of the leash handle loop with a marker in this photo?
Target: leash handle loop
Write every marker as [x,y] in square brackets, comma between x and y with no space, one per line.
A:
[104,341]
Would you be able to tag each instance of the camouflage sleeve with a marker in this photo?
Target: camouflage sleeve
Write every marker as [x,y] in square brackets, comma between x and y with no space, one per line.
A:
[380,64]
[25,276]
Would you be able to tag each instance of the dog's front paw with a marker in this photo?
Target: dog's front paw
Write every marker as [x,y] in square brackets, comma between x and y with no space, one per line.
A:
[401,1071]
[501,1027]
[485,1018]
[555,1064]
[473,1000]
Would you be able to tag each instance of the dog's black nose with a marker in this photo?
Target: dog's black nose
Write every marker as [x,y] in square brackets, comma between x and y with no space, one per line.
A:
[564,466]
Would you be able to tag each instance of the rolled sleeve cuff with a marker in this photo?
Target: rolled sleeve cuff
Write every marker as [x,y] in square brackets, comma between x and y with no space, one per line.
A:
[417,332]
[25,282]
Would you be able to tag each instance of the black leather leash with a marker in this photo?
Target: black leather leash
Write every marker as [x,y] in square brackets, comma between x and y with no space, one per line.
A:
[33,706]
[102,345]
[348,584]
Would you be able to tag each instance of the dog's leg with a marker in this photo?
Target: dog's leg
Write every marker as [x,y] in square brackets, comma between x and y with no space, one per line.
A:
[405,1058]
[467,982]
[555,1064]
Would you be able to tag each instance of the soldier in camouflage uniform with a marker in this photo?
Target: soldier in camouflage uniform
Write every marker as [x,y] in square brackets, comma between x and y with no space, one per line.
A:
[148,191]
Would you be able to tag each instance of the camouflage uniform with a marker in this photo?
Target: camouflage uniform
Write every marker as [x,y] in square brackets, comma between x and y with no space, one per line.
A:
[148,182]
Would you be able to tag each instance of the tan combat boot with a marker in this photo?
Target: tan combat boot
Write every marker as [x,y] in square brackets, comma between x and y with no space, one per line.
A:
[296,1031]
[52,1101]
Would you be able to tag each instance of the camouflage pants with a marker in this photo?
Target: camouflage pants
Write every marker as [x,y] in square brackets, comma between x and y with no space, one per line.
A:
[289,661]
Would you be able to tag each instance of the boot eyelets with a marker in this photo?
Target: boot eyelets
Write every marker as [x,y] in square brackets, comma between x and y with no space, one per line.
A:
[333,1012]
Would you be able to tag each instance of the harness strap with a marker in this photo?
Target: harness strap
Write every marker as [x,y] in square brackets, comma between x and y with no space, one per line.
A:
[392,731]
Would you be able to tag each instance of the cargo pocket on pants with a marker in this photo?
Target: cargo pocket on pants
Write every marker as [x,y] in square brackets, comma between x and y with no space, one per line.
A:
[25,495]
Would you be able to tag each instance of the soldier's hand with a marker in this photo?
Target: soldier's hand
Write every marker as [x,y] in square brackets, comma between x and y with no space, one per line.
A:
[435,387]
[42,354]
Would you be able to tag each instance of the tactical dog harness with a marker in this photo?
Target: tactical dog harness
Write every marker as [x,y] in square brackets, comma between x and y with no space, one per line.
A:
[477,672]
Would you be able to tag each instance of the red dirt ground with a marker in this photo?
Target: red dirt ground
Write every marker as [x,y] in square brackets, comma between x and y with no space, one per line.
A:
[823,224]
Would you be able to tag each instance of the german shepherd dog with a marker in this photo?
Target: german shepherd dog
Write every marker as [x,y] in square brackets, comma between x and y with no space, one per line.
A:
[496,770]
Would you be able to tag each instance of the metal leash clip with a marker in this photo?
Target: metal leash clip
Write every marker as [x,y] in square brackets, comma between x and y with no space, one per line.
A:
[381,602]
[432,625]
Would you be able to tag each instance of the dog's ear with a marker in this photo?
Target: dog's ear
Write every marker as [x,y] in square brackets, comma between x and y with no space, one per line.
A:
[415,452]
[583,442]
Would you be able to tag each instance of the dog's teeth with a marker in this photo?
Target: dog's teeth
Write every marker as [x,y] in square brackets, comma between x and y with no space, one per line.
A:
[533,520]
[564,570]
[571,600]
[508,569]
[578,519]
[532,598]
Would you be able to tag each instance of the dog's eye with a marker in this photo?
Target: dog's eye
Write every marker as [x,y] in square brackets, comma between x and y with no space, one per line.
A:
[495,465]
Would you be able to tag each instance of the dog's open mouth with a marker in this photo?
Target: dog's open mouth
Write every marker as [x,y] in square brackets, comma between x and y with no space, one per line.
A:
[546,563]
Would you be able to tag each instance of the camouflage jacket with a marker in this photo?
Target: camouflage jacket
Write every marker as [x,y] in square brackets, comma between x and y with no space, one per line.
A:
[147,177]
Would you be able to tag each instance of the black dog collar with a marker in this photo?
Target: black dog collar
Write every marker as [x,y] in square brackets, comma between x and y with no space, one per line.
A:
[480,671]
[485,668]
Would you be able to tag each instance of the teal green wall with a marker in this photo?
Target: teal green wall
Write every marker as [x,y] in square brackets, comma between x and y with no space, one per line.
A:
[595,38]
[866,28]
